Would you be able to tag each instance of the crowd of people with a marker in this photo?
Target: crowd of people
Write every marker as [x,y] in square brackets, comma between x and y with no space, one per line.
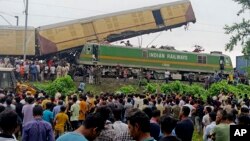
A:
[36,70]
[111,117]
[119,117]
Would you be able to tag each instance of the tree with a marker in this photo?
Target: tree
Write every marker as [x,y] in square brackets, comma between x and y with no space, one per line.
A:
[240,31]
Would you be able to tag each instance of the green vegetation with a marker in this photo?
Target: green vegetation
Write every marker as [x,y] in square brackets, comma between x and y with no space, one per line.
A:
[65,85]
[196,90]
[129,89]
[240,31]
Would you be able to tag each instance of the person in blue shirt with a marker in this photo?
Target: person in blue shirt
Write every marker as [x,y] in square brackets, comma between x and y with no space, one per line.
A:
[139,125]
[93,125]
[81,87]
[33,71]
[47,114]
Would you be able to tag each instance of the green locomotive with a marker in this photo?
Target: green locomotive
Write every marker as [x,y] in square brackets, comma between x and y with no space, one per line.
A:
[179,63]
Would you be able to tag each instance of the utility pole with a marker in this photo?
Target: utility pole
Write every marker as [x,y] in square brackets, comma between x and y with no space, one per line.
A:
[17,20]
[25,33]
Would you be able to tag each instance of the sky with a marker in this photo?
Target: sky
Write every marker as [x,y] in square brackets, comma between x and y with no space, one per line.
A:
[208,32]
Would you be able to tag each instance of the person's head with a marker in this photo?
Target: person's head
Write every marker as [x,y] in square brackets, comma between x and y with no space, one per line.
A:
[83,97]
[62,108]
[159,101]
[244,110]
[2,108]
[230,117]
[48,105]
[74,99]
[145,101]
[167,124]
[184,112]
[138,123]
[46,96]
[60,102]
[221,116]
[37,110]
[105,111]
[148,111]
[208,109]
[129,100]
[29,100]
[93,125]
[156,114]
[17,99]
[117,113]
[177,101]
[8,122]
[244,119]
[212,116]
[8,101]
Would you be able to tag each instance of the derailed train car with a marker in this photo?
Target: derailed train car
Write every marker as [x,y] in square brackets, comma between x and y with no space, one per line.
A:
[180,63]
[72,35]
[12,40]
[112,27]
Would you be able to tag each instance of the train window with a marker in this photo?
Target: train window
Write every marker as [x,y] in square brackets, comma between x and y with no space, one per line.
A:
[202,59]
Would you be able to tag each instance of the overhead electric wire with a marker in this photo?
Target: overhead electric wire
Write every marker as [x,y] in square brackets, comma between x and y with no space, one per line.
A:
[51,5]
[154,39]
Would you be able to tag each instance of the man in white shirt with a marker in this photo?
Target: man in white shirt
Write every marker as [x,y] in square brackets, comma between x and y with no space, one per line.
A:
[210,127]
[191,107]
[119,126]
[205,119]
[18,71]
[167,74]
[182,102]
[75,108]
[52,72]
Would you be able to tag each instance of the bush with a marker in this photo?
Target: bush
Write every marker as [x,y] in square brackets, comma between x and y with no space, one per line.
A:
[63,84]
[173,87]
[197,91]
[127,89]
[151,88]
[184,89]
[216,88]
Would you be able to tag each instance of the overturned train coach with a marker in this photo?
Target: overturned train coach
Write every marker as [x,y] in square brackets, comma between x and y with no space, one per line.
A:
[72,35]
[179,63]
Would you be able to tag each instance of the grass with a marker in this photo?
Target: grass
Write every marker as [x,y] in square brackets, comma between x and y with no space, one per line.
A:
[197,136]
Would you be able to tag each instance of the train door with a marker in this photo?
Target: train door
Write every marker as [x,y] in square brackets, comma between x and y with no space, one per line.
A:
[158,17]
[222,63]
[95,52]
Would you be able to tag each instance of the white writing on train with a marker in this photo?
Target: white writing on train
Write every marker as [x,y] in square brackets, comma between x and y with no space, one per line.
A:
[168,56]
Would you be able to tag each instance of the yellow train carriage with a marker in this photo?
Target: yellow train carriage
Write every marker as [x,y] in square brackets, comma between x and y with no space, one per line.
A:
[115,26]
[12,40]
[135,21]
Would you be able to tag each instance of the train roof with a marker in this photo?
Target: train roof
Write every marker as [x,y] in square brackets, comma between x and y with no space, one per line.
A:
[158,49]
[16,27]
[88,19]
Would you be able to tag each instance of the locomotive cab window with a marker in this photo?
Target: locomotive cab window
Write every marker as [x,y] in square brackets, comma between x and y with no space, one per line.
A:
[202,59]
[88,49]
